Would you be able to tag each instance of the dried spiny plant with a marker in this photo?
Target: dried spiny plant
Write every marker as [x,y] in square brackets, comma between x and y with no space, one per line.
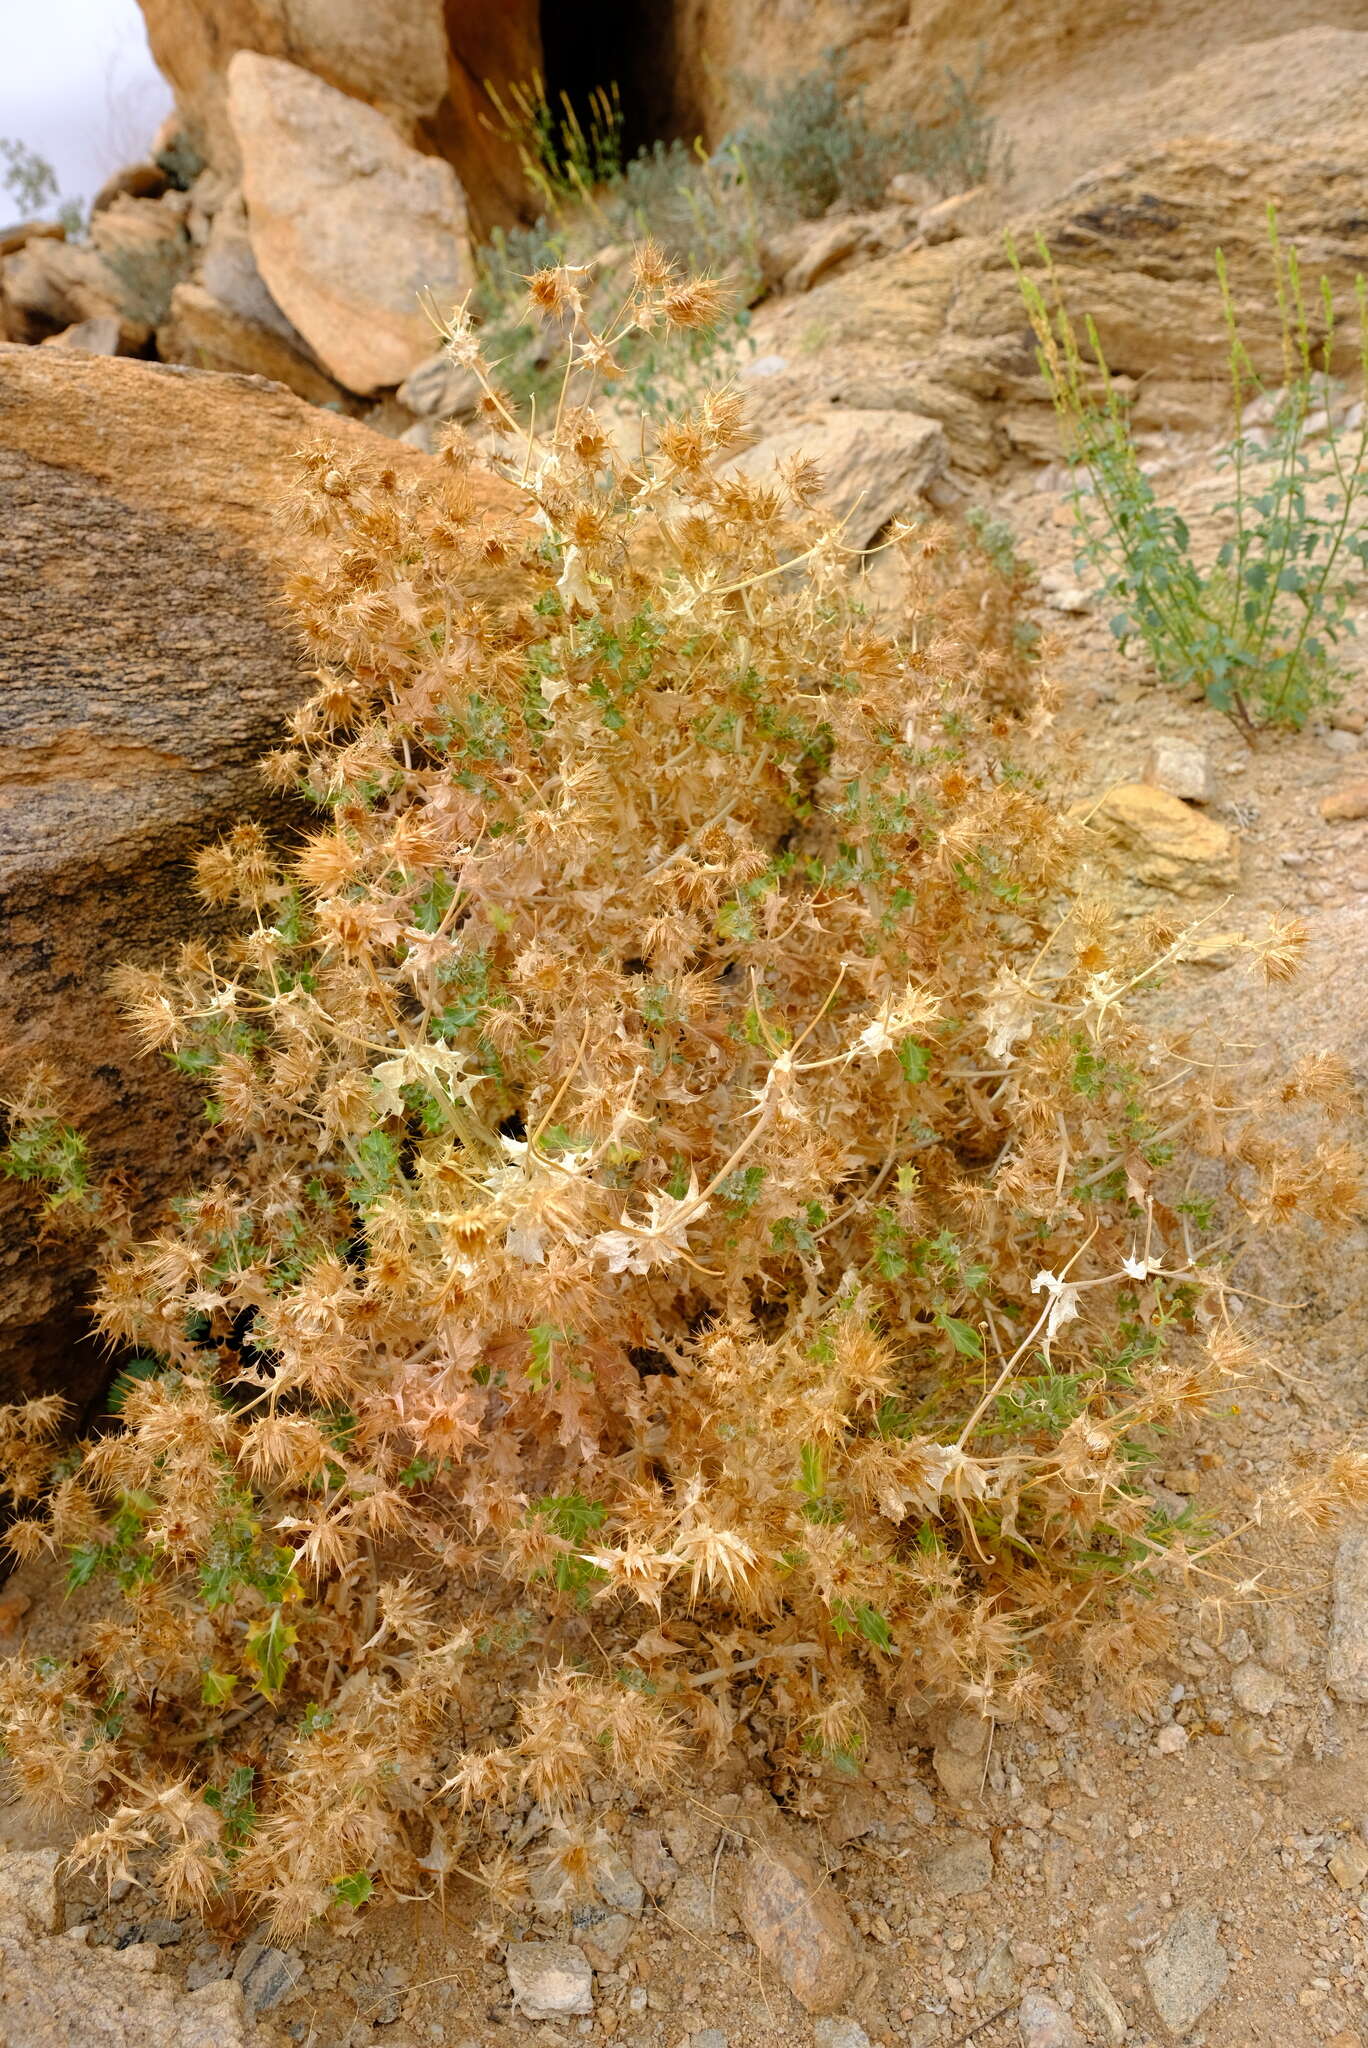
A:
[702,1235]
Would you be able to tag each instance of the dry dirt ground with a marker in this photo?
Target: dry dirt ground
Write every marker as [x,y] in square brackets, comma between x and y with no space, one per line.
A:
[1105,1858]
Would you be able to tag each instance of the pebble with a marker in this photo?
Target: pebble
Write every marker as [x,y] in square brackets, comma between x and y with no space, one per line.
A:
[603,1936]
[840,2034]
[1342,806]
[1255,1689]
[1042,2024]
[1187,1971]
[652,1864]
[1182,768]
[616,1885]
[1172,1739]
[965,1866]
[550,1979]
[1346,1668]
[711,2037]
[1349,1865]
[268,1976]
[795,1917]
[1097,1995]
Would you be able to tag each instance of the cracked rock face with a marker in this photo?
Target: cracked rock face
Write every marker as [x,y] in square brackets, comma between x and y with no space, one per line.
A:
[56,1990]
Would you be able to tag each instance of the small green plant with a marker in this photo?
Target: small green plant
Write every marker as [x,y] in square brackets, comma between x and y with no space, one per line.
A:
[31,182]
[563,155]
[1254,629]
[28,177]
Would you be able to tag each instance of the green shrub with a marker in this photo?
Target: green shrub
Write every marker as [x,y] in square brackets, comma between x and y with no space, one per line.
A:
[1255,629]
[813,147]
[687,1156]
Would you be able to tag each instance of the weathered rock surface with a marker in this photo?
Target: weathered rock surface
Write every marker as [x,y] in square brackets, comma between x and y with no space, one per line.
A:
[1182,767]
[1346,1668]
[1161,841]
[350,228]
[1187,1972]
[874,465]
[145,664]
[798,1922]
[208,335]
[56,1991]
[1043,2024]
[422,63]
[550,1979]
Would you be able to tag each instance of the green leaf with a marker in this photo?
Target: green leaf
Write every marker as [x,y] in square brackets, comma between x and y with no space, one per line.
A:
[268,1650]
[963,1336]
[216,1687]
[353,1890]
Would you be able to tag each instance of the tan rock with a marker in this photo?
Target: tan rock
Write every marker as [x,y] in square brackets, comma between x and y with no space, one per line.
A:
[1346,1664]
[146,664]
[350,228]
[134,181]
[211,336]
[422,63]
[22,231]
[144,247]
[440,389]
[51,285]
[833,242]
[1345,805]
[1163,842]
[797,1920]
[874,465]
[101,335]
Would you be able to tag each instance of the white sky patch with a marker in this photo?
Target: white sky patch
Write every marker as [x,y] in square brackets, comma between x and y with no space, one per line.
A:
[77,84]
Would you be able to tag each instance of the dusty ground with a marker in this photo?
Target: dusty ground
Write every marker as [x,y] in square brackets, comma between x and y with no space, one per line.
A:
[1093,1834]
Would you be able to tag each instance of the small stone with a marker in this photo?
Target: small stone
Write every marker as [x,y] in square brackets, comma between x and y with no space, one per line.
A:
[616,1885]
[440,389]
[942,222]
[1348,718]
[1346,1667]
[1336,741]
[1172,1739]
[692,1905]
[997,1979]
[1237,1647]
[1182,768]
[268,1976]
[795,1917]
[100,335]
[961,1776]
[1349,1865]
[840,2034]
[1042,2024]
[1164,842]
[550,1979]
[1343,806]
[965,1866]
[653,1867]
[1255,1689]
[602,1936]
[764,366]
[1187,1971]
[711,2037]
[838,240]
[1097,1995]
[1283,1648]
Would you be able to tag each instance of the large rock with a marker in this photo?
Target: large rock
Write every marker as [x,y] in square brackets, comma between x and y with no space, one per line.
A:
[422,63]
[204,332]
[874,466]
[145,664]
[349,226]
[56,1990]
